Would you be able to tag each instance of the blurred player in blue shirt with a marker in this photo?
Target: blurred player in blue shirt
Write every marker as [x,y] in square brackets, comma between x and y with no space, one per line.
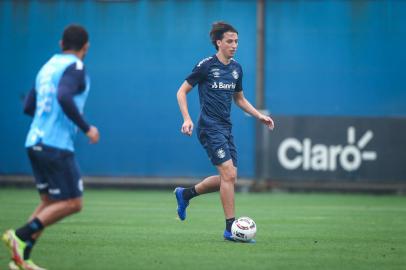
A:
[56,104]
[219,79]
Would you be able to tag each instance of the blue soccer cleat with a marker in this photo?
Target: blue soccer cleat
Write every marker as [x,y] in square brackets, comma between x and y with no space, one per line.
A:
[228,236]
[182,203]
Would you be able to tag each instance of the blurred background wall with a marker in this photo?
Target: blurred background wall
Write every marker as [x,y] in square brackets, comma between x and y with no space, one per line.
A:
[323,59]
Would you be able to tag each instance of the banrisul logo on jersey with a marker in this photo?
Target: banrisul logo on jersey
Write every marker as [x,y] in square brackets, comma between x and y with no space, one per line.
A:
[311,155]
[336,148]
[222,85]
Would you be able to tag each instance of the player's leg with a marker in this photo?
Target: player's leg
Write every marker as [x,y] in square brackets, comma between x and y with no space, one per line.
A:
[228,176]
[65,190]
[61,193]
[59,210]
[216,145]
[47,213]
[208,185]
[23,234]
[231,170]
[21,248]
[184,195]
[45,201]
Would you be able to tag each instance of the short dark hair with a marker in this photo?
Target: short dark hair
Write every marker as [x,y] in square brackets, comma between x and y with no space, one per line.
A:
[74,37]
[217,31]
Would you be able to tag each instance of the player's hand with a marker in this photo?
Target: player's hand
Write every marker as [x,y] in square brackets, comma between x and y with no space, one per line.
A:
[187,127]
[267,121]
[93,134]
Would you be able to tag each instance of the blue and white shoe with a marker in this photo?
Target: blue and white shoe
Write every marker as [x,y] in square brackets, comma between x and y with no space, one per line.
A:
[182,203]
[228,236]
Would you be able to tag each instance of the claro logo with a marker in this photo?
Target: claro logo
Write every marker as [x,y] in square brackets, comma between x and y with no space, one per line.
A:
[293,154]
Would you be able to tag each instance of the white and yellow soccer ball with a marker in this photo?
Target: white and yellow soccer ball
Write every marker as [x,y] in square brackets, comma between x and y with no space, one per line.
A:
[244,229]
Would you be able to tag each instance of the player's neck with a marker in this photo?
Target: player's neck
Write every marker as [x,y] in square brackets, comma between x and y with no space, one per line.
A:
[223,59]
[79,54]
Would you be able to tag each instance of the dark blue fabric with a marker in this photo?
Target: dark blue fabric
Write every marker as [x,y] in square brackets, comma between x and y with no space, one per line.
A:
[73,82]
[219,145]
[56,172]
[217,85]
[30,103]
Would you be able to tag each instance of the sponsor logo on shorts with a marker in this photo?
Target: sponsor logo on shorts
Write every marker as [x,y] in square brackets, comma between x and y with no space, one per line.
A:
[42,186]
[221,153]
[54,191]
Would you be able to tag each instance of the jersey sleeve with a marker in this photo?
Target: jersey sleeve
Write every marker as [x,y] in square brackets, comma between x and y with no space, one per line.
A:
[238,87]
[30,103]
[73,82]
[199,72]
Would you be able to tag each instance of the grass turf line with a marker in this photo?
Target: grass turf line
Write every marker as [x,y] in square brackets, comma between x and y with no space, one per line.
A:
[139,230]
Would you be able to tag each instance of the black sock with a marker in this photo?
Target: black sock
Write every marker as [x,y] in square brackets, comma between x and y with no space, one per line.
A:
[189,193]
[229,222]
[27,251]
[25,232]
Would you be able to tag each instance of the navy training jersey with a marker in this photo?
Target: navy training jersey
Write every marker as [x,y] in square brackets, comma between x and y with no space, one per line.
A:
[217,84]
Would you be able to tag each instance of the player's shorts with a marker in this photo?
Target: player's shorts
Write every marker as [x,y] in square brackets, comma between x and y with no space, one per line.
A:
[56,172]
[219,145]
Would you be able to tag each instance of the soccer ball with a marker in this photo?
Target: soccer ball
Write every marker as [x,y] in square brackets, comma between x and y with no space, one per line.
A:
[244,229]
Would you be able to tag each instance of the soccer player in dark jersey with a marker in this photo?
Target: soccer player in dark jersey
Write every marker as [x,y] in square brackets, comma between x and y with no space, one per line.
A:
[56,104]
[220,80]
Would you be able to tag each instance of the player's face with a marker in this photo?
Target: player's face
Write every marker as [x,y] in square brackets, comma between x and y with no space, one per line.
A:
[228,45]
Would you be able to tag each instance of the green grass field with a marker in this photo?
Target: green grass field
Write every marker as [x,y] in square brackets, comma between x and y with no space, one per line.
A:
[138,230]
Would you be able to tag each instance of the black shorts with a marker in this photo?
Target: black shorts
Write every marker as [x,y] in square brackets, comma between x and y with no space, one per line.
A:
[56,172]
[219,145]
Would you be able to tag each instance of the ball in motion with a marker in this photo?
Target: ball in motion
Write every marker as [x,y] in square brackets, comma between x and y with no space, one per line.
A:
[244,229]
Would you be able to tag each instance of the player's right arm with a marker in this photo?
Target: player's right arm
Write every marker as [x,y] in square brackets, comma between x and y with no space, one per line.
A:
[187,127]
[198,74]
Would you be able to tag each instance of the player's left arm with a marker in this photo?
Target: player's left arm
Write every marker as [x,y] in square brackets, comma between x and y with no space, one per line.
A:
[73,83]
[247,107]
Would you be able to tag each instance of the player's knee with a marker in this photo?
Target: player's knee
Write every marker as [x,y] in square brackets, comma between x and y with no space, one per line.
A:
[75,205]
[78,206]
[230,176]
